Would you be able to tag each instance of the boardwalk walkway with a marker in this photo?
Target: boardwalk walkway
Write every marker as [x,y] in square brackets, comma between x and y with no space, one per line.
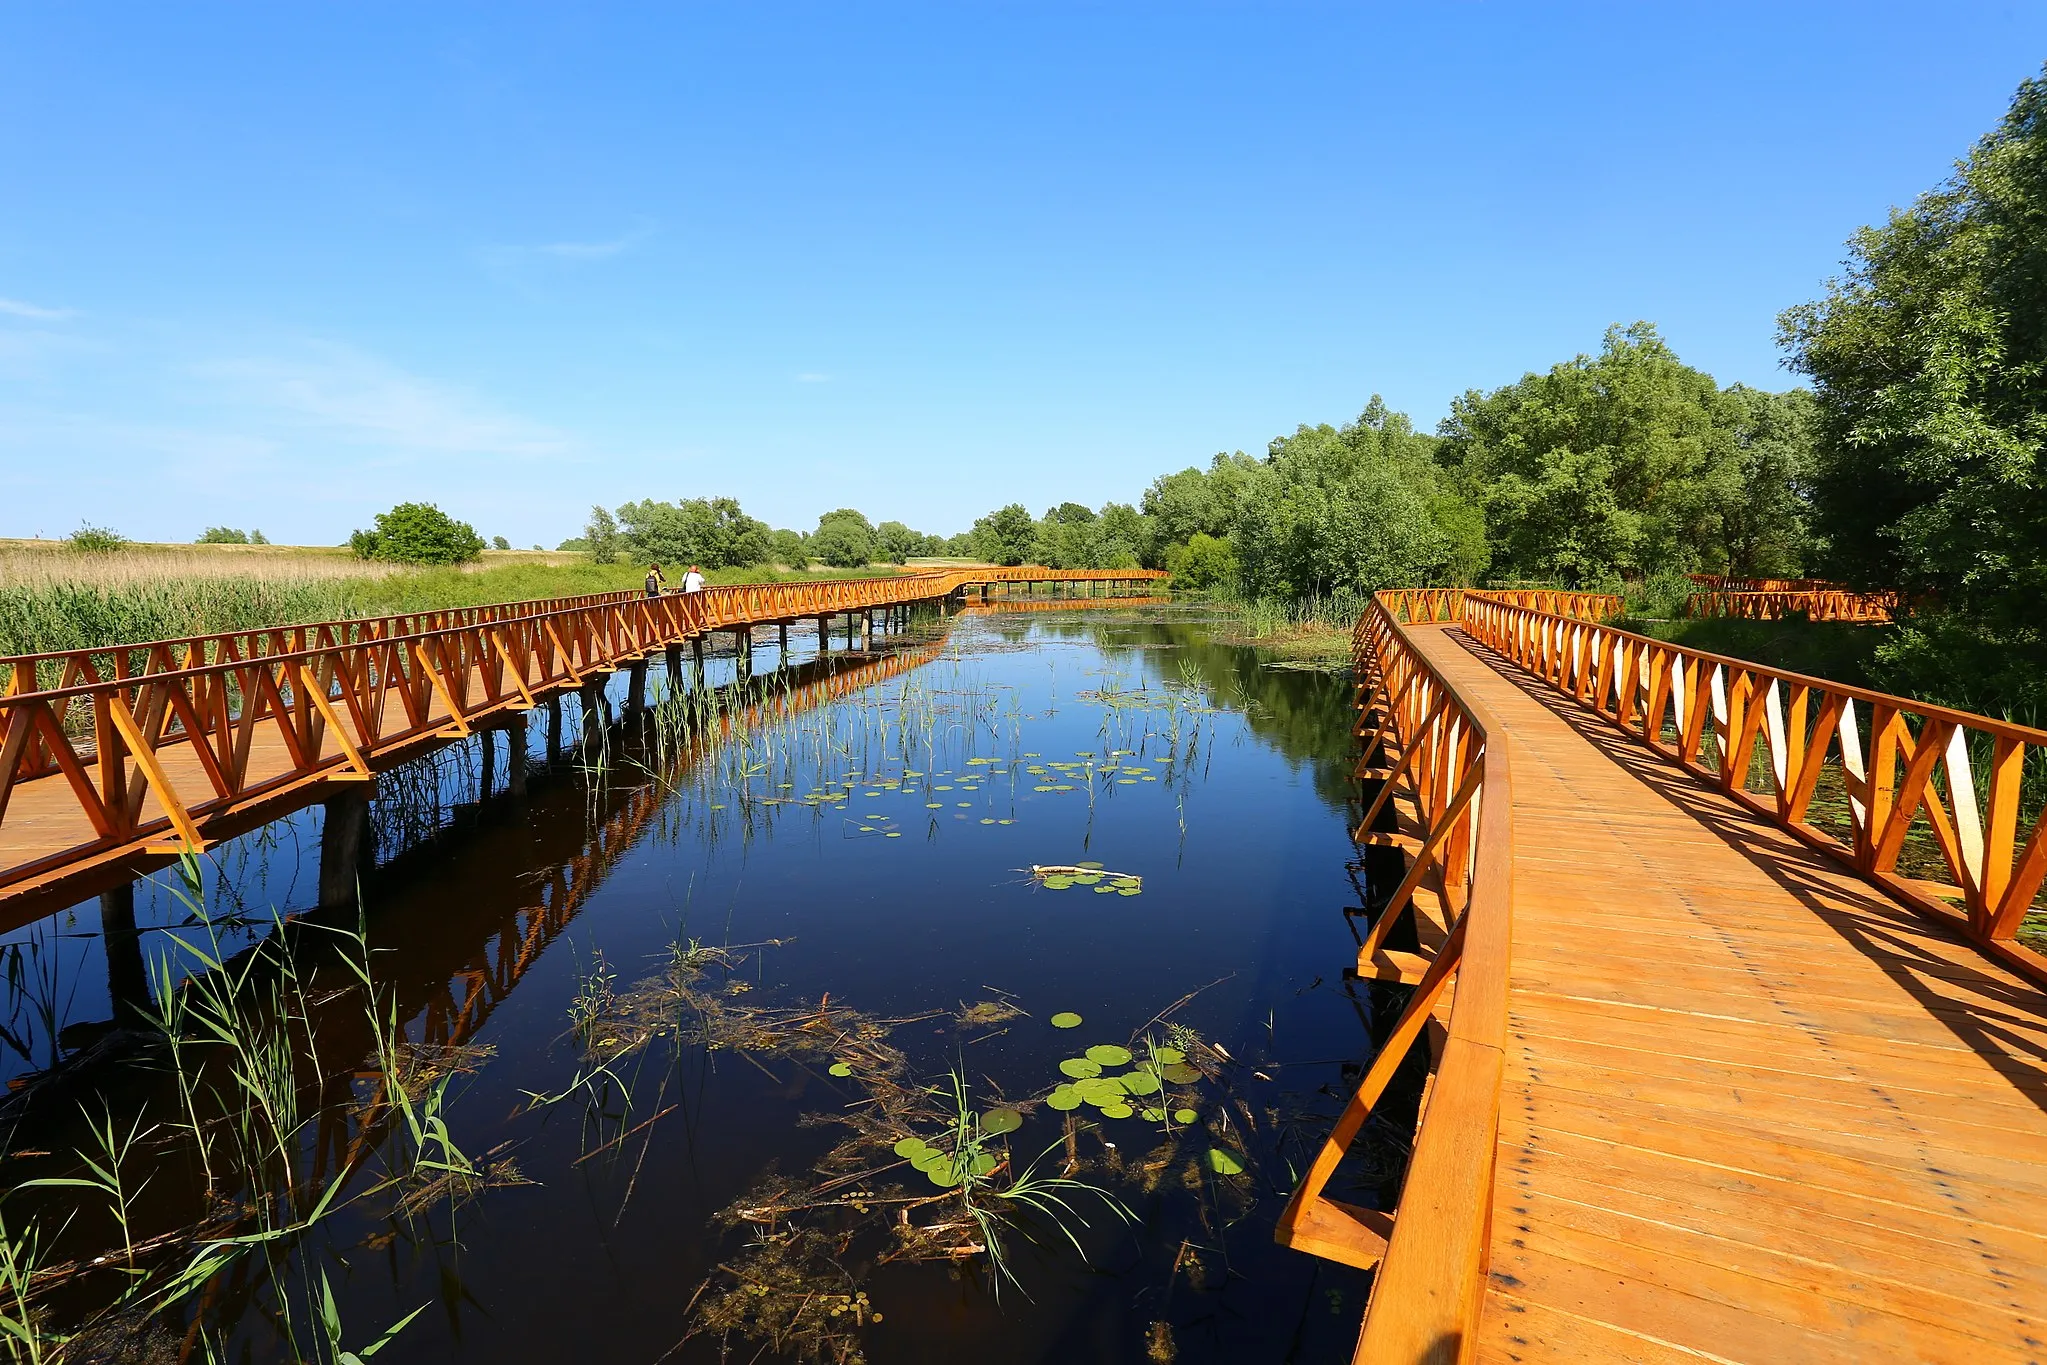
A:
[1752,1109]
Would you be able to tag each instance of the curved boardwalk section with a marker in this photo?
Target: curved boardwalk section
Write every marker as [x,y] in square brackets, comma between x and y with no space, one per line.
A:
[1751,1109]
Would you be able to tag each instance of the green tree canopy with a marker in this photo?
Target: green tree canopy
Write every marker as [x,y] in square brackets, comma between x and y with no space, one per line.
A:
[418,533]
[713,532]
[844,539]
[222,535]
[1929,362]
[1626,463]
[1005,535]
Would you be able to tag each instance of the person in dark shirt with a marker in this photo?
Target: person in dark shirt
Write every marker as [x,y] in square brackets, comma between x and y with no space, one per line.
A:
[655,578]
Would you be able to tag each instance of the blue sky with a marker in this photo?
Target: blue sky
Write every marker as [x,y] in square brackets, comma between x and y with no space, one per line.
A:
[284,265]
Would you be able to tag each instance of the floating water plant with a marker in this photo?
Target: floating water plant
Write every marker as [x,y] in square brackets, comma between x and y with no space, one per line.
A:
[1058,877]
[1066,1019]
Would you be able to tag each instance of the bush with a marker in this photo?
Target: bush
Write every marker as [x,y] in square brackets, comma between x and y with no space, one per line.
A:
[1204,564]
[500,543]
[418,533]
[843,539]
[96,539]
[222,535]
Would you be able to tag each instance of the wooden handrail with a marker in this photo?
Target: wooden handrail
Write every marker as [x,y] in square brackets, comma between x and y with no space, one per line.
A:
[1816,604]
[1453,760]
[1898,764]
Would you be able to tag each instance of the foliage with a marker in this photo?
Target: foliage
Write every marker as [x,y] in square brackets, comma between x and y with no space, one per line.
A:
[1204,564]
[1929,364]
[1194,502]
[500,543]
[790,548]
[600,537]
[712,532]
[222,535]
[1004,536]
[1345,508]
[418,533]
[96,539]
[1626,463]
[843,539]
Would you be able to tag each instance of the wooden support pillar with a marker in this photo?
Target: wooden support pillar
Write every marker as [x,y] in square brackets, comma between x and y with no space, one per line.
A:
[593,719]
[554,729]
[347,845]
[636,688]
[515,757]
[696,647]
[824,635]
[674,665]
[849,629]
[783,629]
[127,974]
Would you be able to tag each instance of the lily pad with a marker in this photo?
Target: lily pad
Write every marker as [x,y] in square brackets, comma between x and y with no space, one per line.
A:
[999,1121]
[1103,890]
[1141,1083]
[1168,1056]
[840,1069]
[1109,1054]
[1117,1111]
[945,1175]
[1080,1068]
[1223,1161]
[1064,1098]
[1056,883]
[986,1162]
[1154,1115]
[1129,890]
[1181,1073]
[912,1147]
[1092,866]
[1185,1116]
[1066,1019]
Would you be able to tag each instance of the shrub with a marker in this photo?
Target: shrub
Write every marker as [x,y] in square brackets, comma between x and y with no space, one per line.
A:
[500,543]
[1204,564]
[96,539]
[223,535]
[418,533]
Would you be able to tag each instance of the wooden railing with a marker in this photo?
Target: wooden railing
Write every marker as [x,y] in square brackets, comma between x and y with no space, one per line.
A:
[1442,764]
[1867,777]
[264,713]
[1816,604]
[1714,582]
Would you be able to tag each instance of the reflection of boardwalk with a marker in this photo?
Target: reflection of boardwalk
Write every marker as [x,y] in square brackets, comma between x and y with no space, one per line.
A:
[1752,1109]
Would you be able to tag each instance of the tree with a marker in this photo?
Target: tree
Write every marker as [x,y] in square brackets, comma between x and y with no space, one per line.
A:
[790,548]
[1193,502]
[843,539]
[418,533]
[713,532]
[1005,535]
[256,537]
[600,537]
[1762,496]
[500,543]
[1929,364]
[1203,564]
[895,542]
[1624,463]
[222,535]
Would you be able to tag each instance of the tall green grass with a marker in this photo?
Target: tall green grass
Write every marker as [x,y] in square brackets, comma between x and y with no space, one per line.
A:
[52,602]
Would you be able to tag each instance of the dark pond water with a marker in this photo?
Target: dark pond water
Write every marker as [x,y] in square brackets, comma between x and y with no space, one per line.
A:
[677,1005]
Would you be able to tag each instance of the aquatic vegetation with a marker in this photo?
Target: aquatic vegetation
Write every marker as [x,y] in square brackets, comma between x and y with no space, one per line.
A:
[1059,877]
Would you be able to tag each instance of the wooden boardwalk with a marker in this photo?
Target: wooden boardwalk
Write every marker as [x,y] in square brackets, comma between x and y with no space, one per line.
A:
[1752,1109]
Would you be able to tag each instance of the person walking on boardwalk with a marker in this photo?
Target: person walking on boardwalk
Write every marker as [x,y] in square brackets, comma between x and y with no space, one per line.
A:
[693,581]
[655,578]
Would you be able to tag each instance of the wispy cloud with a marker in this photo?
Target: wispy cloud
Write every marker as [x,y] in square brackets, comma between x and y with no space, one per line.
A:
[359,396]
[17,309]
[516,259]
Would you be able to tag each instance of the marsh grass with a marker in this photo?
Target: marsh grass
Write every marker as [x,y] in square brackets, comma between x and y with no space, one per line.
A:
[53,598]
[259,1116]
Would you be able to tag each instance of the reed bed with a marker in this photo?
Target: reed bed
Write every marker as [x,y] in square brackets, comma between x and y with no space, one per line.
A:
[53,597]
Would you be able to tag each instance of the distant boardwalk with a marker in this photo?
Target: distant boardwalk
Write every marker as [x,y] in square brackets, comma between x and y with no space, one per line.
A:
[1749,1106]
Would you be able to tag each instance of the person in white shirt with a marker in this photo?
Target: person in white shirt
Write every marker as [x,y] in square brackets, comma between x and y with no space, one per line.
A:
[693,581]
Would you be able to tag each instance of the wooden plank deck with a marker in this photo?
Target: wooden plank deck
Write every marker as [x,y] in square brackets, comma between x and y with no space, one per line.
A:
[1753,1110]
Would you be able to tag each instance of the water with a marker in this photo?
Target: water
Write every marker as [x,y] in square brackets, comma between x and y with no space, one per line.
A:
[839,875]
